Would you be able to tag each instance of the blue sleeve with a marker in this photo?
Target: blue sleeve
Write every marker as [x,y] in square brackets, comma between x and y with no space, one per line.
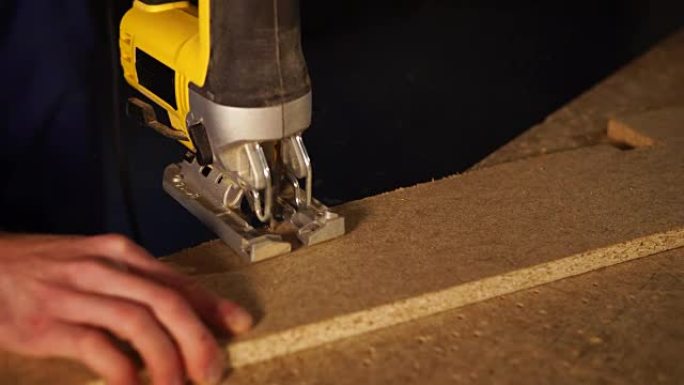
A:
[47,142]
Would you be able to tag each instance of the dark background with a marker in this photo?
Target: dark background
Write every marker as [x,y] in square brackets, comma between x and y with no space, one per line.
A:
[404,91]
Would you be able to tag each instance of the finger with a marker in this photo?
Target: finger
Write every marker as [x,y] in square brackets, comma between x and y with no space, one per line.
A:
[33,242]
[122,249]
[222,314]
[219,312]
[85,344]
[129,321]
[202,357]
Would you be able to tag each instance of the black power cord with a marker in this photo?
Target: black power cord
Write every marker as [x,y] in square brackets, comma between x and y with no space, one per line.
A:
[118,135]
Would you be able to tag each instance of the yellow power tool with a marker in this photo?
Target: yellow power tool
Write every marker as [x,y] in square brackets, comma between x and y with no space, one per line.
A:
[232,78]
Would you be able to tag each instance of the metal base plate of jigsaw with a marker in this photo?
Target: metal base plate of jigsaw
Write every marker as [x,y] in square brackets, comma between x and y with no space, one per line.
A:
[200,191]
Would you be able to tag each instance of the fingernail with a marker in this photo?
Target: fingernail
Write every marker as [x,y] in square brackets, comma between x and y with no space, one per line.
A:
[216,371]
[239,320]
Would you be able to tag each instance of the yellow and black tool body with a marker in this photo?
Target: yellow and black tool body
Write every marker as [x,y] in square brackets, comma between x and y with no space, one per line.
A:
[232,78]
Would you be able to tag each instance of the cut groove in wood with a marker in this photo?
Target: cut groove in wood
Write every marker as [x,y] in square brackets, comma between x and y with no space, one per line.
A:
[349,325]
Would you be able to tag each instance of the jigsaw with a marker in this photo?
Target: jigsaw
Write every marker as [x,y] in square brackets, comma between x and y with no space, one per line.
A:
[228,80]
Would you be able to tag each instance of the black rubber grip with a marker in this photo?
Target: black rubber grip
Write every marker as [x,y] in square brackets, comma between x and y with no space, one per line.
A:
[256,53]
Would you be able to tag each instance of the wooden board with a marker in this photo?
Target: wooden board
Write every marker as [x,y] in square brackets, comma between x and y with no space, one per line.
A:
[427,249]
[620,325]
[590,329]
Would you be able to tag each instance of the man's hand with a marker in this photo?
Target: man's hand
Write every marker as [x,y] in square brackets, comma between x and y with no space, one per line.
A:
[61,296]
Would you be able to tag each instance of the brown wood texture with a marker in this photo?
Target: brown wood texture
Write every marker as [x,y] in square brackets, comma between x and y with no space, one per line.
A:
[464,229]
[620,325]
[423,250]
